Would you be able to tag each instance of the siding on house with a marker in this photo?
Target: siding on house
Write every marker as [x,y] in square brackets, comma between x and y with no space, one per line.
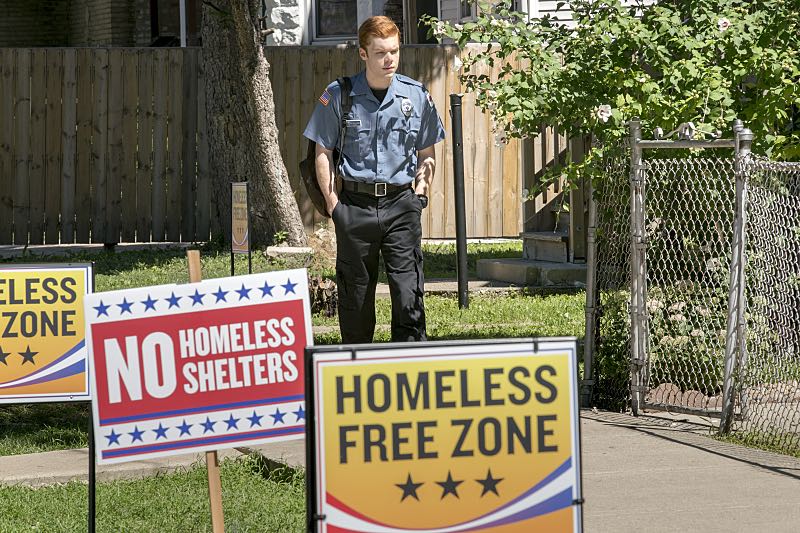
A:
[449,10]
[535,8]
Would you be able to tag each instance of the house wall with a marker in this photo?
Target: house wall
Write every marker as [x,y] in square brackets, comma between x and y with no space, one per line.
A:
[289,20]
[293,20]
[101,22]
[20,23]
[141,23]
[535,9]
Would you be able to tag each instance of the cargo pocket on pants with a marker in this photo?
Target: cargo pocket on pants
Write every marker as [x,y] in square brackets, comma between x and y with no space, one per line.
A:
[418,265]
[345,285]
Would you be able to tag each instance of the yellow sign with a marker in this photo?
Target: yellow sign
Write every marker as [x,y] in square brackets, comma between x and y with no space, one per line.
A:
[240,231]
[43,355]
[448,438]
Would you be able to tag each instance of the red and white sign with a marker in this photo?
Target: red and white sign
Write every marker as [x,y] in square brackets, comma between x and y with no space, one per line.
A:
[197,367]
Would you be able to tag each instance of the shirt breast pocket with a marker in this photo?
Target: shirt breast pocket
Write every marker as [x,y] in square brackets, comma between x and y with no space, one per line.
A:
[404,136]
[358,138]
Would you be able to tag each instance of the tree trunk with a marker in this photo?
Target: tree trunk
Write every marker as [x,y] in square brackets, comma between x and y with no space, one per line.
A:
[242,136]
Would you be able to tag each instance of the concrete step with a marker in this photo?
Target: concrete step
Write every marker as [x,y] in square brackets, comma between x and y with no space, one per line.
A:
[545,246]
[533,273]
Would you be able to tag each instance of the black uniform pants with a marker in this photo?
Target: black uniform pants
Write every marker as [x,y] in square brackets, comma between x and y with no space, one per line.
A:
[365,227]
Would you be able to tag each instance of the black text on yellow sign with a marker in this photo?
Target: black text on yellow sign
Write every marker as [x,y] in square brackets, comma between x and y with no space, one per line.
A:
[447,390]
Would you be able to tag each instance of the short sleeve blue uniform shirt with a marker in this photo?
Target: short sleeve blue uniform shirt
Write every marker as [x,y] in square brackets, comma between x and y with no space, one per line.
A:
[382,138]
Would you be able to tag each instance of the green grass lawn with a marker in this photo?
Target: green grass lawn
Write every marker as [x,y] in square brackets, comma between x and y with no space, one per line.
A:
[30,428]
[157,267]
[252,501]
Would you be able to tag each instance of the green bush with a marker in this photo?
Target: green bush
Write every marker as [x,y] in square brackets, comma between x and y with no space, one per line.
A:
[612,356]
[700,61]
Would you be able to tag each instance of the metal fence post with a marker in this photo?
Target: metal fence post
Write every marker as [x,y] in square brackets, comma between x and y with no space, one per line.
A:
[746,138]
[731,344]
[637,310]
[591,301]
[458,189]
[735,349]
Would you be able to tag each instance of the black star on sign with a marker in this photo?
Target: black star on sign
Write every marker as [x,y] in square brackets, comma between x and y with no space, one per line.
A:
[27,355]
[449,485]
[489,484]
[409,488]
[3,356]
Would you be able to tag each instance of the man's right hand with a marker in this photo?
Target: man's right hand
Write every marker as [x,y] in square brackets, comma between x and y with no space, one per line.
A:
[331,202]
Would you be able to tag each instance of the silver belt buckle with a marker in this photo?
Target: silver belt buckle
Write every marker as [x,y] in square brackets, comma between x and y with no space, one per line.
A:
[380,189]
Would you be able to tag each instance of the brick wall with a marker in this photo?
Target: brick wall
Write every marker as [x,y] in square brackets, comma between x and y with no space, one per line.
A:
[27,23]
[102,22]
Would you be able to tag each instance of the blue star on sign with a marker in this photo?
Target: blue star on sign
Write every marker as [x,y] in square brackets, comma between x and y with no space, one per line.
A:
[266,289]
[173,301]
[113,437]
[277,416]
[243,293]
[232,422]
[160,431]
[185,428]
[197,298]
[289,287]
[300,414]
[125,306]
[208,425]
[136,434]
[220,294]
[102,309]
[149,303]
[255,420]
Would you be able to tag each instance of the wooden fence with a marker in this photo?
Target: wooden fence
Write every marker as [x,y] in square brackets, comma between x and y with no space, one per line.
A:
[109,144]
[102,145]
[492,171]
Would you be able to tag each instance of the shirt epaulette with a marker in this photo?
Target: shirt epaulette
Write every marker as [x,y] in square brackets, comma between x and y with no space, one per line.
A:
[409,81]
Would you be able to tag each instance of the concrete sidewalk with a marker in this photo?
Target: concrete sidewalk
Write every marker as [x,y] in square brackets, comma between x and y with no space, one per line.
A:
[659,474]
[646,474]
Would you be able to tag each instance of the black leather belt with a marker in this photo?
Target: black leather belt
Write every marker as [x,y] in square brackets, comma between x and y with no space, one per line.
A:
[373,189]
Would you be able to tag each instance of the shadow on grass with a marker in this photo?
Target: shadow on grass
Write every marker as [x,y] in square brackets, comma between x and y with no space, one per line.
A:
[108,262]
[30,428]
[440,260]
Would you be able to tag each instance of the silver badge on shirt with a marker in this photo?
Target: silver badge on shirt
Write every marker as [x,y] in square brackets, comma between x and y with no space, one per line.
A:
[407,107]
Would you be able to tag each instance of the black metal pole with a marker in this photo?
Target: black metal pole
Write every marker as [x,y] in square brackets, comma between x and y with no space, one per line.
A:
[92,460]
[249,250]
[231,235]
[92,477]
[461,222]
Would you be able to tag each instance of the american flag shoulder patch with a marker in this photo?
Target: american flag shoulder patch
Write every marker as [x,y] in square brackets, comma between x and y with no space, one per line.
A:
[325,98]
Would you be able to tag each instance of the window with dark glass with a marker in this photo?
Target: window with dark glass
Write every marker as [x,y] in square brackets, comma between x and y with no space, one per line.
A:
[467,8]
[336,17]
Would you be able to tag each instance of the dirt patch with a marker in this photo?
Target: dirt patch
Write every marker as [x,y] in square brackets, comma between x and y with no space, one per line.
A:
[323,242]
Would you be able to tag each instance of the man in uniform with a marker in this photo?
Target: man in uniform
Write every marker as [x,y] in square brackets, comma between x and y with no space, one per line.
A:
[387,165]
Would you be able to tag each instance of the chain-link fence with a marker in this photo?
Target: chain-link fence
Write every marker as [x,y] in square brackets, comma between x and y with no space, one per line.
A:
[607,312]
[769,376]
[688,215]
[693,297]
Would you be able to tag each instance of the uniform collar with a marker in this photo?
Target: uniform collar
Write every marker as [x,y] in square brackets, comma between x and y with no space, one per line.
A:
[361,87]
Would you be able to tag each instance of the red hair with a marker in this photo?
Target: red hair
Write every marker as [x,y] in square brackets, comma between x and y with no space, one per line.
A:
[380,26]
